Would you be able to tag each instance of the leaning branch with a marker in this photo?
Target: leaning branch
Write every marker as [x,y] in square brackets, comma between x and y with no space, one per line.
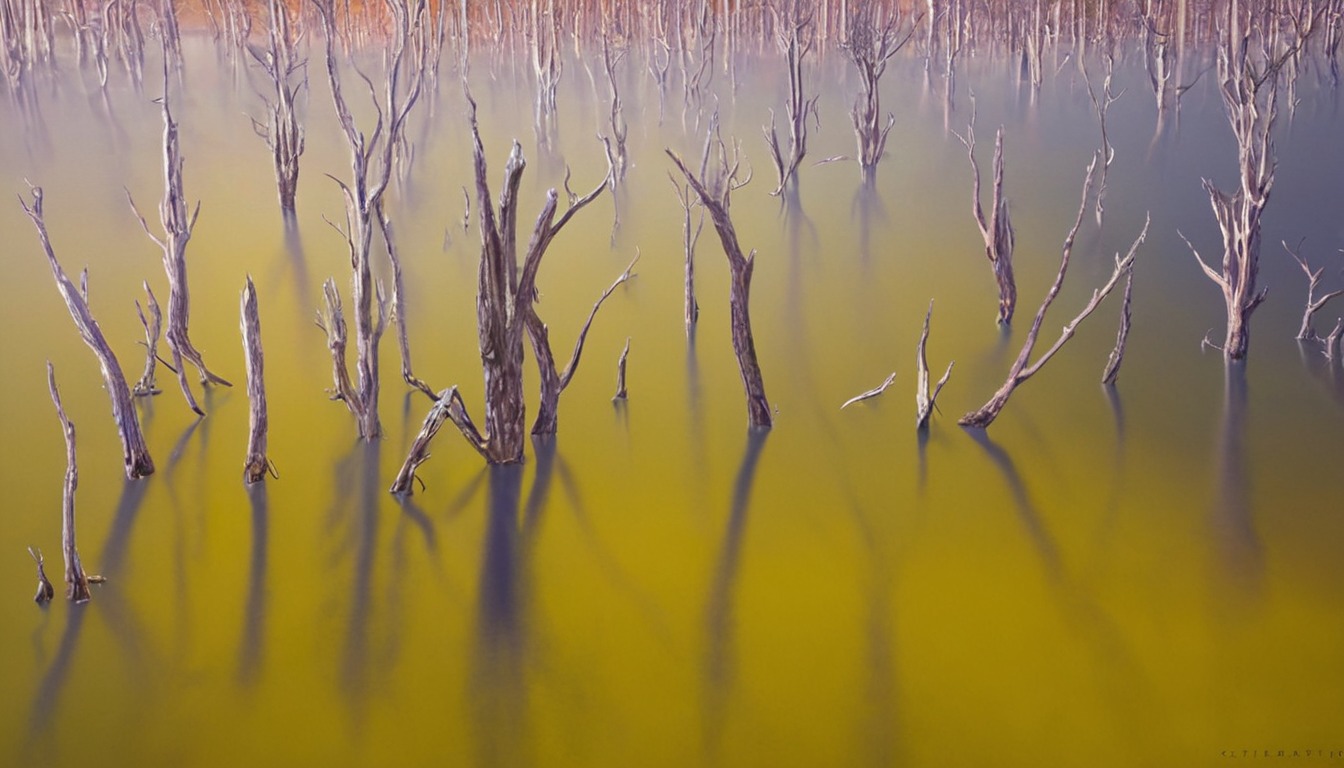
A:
[76,583]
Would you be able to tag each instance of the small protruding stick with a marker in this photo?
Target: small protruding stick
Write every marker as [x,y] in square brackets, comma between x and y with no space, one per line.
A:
[1112,371]
[1306,332]
[1332,342]
[620,372]
[153,327]
[997,232]
[44,589]
[76,583]
[448,407]
[257,465]
[399,305]
[874,392]
[925,401]
[135,454]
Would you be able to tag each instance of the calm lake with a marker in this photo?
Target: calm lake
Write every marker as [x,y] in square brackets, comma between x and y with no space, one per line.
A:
[1146,576]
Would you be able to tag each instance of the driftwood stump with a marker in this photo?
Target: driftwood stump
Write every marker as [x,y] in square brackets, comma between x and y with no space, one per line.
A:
[76,583]
[256,465]
[135,454]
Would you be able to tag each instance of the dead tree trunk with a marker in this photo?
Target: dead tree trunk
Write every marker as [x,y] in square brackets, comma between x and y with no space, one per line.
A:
[1314,305]
[399,306]
[688,240]
[153,326]
[1248,82]
[621,394]
[714,188]
[1022,369]
[505,296]
[870,45]
[257,465]
[135,454]
[371,162]
[998,230]
[283,133]
[795,39]
[926,401]
[76,583]
[1112,369]
[177,229]
[554,382]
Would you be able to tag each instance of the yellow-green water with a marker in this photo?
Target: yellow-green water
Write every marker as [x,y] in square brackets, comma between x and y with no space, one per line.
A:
[1152,578]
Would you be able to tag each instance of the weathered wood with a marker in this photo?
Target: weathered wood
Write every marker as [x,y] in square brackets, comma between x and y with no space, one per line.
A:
[76,583]
[1333,350]
[926,401]
[1112,369]
[135,454]
[1314,305]
[506,294]
[1101,105]
[715,190]
[372,158]
[621,394]
[554,382]
[399,306]
[1248,80]
[256,465]
[1022,369]
[447,407]
[874,392]
[146,386]
[177,229]
[44,589]
[283,133]
[997,232]
[872,43]
[795,39]
[689,238]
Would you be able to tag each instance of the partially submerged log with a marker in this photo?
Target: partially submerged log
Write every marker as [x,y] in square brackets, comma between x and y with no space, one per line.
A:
[926,401]
[135,454]
[553,382]
[1314,304]
[256,465]
[870,394]
[997,232]
[1112,369]
[76,583]
[177,229]
[448,407]
[714,187]
[1022,369]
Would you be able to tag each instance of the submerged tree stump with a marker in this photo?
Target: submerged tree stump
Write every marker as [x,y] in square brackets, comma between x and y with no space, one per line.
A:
[76,583]
[926,401]
[135,454]
[715,189]
[997,231]
[177,229]
[256,465]
[44,589]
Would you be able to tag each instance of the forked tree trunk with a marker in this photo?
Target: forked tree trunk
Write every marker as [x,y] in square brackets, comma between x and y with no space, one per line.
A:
[714,189]
[177,229]
[997,232]
[135,454]
[283,133]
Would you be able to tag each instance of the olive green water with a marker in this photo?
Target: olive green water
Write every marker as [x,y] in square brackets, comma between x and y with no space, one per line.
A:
[1147,577]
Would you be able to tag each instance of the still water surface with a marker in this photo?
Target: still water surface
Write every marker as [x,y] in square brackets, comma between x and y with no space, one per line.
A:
[1143,577]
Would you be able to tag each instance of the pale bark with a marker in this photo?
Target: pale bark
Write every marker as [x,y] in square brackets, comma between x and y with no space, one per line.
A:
[796,39]
[76,582]
[870,394]
[1314,304]
[870,45]
[926,401]
[714,189]
[135,454]
[283,134]
[1112,370]
[153,326]
[44,589]
[1022,369]
[997,231]
[621,393]
[256,464]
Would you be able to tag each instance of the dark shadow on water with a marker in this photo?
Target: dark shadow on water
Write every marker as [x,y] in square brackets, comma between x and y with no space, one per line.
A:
[254,616]
[357,674]
[498,687]
[868,209]
[720,653]
[412,512]
[108,601]
[1118,462]
[1232,525]
[1026,508]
